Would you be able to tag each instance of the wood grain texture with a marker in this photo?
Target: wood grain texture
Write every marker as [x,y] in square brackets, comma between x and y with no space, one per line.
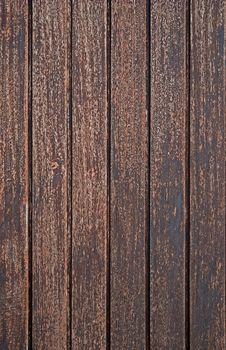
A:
[167,215]
[207,264]
[49,174]
[89,174]
[112,168]
[129,163]
[13,175]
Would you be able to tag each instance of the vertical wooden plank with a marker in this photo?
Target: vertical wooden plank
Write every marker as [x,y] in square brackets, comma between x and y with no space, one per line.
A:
[49,217]
[14,175]
[89,174]
[207,267]
[129,162]
[168,142]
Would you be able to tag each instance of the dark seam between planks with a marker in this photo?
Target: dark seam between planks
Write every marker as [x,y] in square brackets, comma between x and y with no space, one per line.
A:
[30,182]
[69,174]
[108,272]
[224,104]
[224,85]
[187,179]
[148,195]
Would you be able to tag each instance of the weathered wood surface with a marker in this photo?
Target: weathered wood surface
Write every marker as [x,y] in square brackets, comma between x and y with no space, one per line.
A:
[129,164]
[89,174]
[112,174]
[49,174]
[13,175]
[207,263]
[167,178]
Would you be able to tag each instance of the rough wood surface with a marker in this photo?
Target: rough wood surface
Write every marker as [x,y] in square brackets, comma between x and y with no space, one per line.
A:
[13,175]
[112,174]
[207,263]
[49,174]
[129,163]
[167,180]
[89,174]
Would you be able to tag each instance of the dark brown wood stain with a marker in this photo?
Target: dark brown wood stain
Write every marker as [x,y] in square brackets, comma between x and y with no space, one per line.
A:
[129,161]
[14,175]
[49,174]
[89,174]
[112,174]
[207,262]
[167,179]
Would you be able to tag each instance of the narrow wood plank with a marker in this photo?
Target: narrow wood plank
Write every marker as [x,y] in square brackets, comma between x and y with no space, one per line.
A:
[49,217]
[168,133]
[129,162]
[89,174]
[14,175]
[207,176]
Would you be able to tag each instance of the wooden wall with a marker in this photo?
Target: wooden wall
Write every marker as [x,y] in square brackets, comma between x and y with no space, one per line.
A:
[112,174]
